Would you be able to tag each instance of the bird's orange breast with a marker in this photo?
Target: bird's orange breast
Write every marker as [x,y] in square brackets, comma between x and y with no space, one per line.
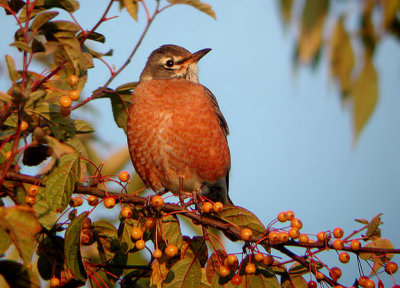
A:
[173,131]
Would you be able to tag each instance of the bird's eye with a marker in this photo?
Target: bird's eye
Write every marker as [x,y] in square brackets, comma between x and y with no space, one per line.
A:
[169,63]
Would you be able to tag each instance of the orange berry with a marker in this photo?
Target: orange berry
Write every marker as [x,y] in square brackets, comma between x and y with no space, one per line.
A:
[304,239]
[207,207]
[151,222]
[136,233]
[391,268]
[236,280]
[232,260]
[355,245]
[338,244]
[322,236]
[344,257]
[109,202]
[282,217]
[140,244]
[319,276]
[33,190]
[369,283]
[283,237]
[74,94]
[290,215]
[86,237]
[312,284]
[157,201]
[124,176]
[24,125]
[338,232]
[157,254]
[73,80]
[246,234]
[54,282]
[93,200]
[30,200]
[250,268]
[273,237]
[335,273]
[223,271]
[294,233]
[380,284]
[296,223]
[171,250]
[362,281]
[8,155]
[268,260]
[259,257]
[77,201]
[217,207]
[126,212]
[65,101]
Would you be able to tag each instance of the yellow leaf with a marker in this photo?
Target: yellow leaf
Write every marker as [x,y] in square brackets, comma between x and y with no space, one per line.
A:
[312,25]
[365,96]
[390,10]
[342,56]
[132,7]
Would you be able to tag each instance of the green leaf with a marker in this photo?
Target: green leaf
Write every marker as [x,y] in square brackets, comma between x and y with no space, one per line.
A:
[312,25]
[127,87]
[81,150]
[21,225]
[172,230]
[5,241]
[82,127]
[203,7]
[22,46]
[51,257]
[294,281]
[67,5]
[286,10]
[120,104]
[108,242]
[243,218]
[95,36]
[132,7]
[42,19]
[72,249]
[61,182]
[46,216]
[13,74]
[59,25]
[342,56]
[33,97]
[184,273]
[17,275]
[365,96]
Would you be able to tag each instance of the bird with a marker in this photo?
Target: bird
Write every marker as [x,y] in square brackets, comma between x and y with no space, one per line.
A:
[177,134]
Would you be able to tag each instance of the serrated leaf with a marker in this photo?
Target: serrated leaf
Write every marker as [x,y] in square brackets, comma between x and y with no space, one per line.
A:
[61,182]
[22,227]
[342,56]
[203,7]
[108,242]
[83,127]
[42,19]
[17,275]
[72,249]
[81,150]
[243,218]
[13,74]
[159,272]
[365,96]
[172,230]
[184,273]
[132,8]
[46,217]
[312,24]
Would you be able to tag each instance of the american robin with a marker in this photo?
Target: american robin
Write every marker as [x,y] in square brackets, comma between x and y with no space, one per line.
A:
[176,131]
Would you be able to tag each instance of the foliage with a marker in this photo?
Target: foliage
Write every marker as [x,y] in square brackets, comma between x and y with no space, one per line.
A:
[36,124]
[350,47]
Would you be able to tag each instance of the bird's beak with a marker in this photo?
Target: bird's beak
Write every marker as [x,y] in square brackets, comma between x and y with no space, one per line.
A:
[195,57]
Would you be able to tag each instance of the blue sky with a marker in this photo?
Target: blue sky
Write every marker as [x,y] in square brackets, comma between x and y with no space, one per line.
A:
[291,138]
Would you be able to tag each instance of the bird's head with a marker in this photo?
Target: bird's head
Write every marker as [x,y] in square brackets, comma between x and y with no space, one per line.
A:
[172,61]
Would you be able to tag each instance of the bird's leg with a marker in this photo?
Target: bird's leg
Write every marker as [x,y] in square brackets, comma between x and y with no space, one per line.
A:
[180,192]
[195,197]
